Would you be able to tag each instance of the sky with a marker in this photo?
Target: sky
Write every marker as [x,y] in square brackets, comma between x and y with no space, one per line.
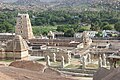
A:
[16,0]
[47,0]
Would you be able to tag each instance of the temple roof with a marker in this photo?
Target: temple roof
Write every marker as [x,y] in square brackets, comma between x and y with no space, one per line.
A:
[17,44]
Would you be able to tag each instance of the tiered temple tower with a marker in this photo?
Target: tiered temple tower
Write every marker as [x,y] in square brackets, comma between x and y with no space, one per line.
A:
[23,26]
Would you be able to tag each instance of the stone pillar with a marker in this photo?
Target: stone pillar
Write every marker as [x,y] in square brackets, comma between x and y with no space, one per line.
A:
[54,57]
[111,64]
[3,54]
[68,58]
[62,62]
[115,64]
[48,60]
[100,61]
[104,60]
[83,62]
[89,57]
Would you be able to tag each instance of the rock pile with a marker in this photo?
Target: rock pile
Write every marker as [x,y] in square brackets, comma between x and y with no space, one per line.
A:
[29,65]
[105,74]
[34,66]
[12,73]
[29,70]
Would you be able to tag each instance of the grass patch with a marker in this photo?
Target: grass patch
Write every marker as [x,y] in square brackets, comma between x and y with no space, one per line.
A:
[92,65]
[56,63]
[73,66]
[41,60]
[6,60]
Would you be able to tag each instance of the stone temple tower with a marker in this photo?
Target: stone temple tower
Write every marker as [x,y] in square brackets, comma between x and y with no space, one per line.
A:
[23,26]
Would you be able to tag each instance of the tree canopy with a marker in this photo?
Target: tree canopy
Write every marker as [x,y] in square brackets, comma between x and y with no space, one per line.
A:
[117,26]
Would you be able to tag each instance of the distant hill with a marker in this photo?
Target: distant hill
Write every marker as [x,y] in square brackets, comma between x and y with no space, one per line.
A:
[66,1]
[8,1]
[69,5]
[61,2]
[28,2]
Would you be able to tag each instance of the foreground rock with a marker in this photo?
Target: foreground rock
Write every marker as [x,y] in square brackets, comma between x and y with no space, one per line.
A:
[105,74]
[30,70]
[12,73]
[29,65]
[5,77]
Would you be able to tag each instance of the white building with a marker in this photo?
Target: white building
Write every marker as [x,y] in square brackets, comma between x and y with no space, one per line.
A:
[91,34]
[107,32]
[78,35]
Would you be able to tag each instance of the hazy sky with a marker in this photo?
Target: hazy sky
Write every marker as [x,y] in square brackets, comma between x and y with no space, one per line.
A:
[47,0]
[16,0]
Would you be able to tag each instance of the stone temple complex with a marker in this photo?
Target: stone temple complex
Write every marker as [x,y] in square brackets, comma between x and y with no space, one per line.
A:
[23,45]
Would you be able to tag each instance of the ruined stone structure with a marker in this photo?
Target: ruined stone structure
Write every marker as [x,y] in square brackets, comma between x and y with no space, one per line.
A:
[15,49]
[2,53]
[62,62]
[83,62]
[86,40]
[54,56]
[100,62]
[53,42]
[51,35]
[23,26]
[113,59]
[4,37]
[59,54]
[48,61]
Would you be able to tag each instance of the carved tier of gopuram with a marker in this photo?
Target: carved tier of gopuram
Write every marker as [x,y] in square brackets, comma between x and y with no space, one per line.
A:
[23,26]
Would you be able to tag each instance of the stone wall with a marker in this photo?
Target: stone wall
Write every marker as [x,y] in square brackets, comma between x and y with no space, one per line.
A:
[59,54]
[4,38]
[53,42]
[16,55]
[37,53]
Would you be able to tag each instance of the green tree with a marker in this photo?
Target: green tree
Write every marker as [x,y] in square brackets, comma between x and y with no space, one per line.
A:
[53,23]
[6,27]
[117,26]
[81,29]
[103,25]
[60,28]
[95,26]
[69,33]
[99,34]
[107,27]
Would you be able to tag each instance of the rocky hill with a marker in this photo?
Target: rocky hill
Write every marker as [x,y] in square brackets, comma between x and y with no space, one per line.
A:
[59,1]
[29,2]
[74,4]
[67,5]
[65,2]
[8,1]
